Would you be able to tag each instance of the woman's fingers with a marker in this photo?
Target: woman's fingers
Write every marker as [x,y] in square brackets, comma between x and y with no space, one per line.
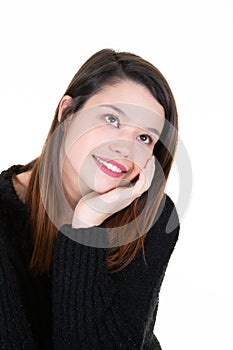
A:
[145,178]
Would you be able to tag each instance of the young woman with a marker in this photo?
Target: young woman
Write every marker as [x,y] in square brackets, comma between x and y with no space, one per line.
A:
[86,230]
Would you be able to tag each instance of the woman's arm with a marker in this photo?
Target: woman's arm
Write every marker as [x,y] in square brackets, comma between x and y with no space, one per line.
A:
[95,310]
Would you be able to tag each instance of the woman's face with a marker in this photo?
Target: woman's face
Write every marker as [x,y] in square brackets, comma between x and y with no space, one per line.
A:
[110,139]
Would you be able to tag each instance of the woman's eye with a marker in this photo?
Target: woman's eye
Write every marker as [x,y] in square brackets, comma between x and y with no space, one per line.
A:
[145,138]
[111,119]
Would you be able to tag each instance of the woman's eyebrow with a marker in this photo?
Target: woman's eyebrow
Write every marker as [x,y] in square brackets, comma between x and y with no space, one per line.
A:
[154,131]
[118,110]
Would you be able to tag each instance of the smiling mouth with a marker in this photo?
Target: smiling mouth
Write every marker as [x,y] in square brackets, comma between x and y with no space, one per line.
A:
[110,167]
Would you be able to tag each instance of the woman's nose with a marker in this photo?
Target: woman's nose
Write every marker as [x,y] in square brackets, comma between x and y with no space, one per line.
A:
[123,148]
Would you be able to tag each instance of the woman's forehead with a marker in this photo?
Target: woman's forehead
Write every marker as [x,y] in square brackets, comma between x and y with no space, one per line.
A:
[126,92]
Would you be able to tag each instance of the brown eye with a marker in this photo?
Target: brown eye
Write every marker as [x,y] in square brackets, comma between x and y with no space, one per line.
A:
[112,120]
[145,138]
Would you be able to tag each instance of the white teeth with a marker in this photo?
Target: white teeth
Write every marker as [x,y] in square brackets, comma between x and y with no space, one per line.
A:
[109,165]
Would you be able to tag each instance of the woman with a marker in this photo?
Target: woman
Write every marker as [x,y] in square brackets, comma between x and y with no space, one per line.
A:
[84,235]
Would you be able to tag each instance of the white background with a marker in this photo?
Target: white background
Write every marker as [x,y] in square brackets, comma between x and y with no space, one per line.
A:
[42,46]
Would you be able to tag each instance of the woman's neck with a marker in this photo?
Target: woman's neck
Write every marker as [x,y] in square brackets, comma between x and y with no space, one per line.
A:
[20,183]
[69,182]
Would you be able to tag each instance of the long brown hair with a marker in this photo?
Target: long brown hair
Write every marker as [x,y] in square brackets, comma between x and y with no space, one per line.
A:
[106,67]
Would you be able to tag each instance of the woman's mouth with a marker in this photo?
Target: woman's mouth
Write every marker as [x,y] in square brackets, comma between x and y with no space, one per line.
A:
[110,167]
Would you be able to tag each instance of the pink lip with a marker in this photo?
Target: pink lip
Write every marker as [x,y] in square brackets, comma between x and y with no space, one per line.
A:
[108,171]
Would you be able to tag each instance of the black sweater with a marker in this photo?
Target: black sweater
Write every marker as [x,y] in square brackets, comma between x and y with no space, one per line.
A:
[79,305]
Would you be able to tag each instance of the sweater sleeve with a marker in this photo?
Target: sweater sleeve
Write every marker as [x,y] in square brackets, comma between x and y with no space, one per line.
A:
[95,310]
[15,332]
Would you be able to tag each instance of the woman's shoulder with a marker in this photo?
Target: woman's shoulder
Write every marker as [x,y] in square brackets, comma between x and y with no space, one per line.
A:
[169,213]
[166,218]
[164,233]
[8,195]
[12,209]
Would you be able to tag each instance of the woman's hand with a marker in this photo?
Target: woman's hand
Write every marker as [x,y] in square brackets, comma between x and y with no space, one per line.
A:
[94,208]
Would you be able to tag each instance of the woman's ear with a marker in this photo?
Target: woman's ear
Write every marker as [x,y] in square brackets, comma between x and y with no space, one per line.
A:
[65,102]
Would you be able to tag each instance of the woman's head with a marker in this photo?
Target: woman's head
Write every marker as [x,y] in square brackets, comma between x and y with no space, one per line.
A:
[126,79]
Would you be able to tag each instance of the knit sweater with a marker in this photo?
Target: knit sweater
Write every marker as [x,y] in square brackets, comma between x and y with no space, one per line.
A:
[78,305]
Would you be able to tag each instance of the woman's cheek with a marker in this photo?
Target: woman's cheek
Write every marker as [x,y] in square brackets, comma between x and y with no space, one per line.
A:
[143,154]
